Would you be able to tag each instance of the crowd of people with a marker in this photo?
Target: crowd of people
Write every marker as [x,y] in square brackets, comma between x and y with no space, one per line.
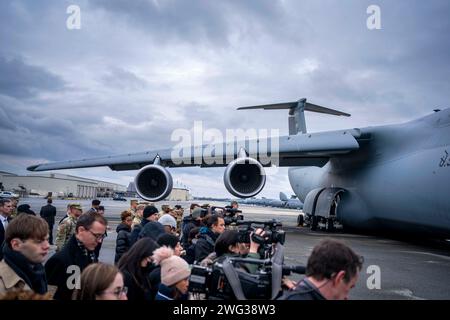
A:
[153,255]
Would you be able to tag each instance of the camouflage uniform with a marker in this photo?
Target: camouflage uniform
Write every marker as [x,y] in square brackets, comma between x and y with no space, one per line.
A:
[15,203]
[136,221]
[65,230]
[133,210]
[178,215]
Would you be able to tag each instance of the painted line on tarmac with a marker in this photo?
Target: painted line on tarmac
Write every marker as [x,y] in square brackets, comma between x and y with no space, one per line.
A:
[406,293]
[428,254]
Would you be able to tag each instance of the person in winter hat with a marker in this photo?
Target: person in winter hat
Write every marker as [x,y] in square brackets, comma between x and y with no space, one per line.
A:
[169,223]
[175,274]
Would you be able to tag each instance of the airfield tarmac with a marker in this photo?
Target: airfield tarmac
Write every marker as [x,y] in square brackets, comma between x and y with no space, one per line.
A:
[408,270]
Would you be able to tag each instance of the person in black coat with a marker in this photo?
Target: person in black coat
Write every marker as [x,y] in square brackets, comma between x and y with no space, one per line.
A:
[48,213]
[190,249]
[5,217]
[192,221]
[25,208]
[207,237]
[152,230]
[136,265]
[123,235]
[149,214]
[76,255]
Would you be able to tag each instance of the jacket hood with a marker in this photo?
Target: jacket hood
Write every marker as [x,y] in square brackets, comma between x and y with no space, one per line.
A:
[121,227]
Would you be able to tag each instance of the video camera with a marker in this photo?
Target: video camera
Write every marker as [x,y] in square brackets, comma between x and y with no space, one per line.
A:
[272,232]
[230,214]
[227,280]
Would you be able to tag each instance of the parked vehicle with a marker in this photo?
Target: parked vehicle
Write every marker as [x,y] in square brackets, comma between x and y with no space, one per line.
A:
[8,194]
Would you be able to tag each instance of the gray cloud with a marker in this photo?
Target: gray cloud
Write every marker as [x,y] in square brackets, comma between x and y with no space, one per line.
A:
[21,80]
[119,78]
[195,22]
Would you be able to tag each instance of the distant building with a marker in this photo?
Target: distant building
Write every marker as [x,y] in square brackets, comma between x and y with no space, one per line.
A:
[179,194]
[58,185]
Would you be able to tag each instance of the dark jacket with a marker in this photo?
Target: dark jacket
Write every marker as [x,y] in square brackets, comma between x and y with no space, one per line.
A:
[190,253]
[57,266]
[304,290]
[205,244]
[152,230]
[136,292]
[134,235]
[188,225]
[2,237]
[122,241]
[155,281]
[167,293]
[48,213]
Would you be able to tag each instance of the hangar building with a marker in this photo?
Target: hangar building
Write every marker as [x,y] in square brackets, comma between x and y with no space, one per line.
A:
[59,185]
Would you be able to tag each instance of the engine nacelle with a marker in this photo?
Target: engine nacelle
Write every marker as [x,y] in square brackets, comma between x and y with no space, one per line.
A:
[244,177]
[153,182]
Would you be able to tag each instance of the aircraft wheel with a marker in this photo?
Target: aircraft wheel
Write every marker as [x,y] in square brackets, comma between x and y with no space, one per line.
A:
[300,220]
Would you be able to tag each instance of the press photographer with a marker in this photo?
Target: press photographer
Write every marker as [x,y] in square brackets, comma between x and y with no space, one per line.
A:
[208,235]
[231,273]
[193,220]
[273,234]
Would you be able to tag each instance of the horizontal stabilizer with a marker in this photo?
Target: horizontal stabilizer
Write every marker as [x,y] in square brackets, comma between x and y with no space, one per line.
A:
[291,105]
[297,109]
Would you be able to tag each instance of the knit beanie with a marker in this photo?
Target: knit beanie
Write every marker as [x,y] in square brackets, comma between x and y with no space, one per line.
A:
[148,211]
[173,268]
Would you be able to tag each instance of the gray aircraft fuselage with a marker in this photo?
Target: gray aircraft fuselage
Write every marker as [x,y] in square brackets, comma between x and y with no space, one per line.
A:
[398,179]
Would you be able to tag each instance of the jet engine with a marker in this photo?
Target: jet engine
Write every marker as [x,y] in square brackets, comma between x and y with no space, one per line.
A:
[244,177]
[153,182]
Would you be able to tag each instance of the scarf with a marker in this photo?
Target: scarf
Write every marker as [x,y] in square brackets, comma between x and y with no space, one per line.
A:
[90,254]
[33,274]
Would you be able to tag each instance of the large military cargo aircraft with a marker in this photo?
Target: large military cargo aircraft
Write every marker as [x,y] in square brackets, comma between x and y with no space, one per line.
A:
[386,177]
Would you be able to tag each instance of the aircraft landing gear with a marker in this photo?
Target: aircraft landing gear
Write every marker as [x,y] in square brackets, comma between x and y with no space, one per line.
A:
[300,220]
[329,225]
[314,223]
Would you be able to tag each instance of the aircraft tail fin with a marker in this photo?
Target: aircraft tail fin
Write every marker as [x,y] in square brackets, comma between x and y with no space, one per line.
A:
[283,196]
[296,112]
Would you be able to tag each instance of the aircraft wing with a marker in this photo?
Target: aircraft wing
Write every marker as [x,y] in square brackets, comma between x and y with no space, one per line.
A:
[310,149]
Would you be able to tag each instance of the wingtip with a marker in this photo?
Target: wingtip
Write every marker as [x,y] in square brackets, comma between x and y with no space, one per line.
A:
[32,168]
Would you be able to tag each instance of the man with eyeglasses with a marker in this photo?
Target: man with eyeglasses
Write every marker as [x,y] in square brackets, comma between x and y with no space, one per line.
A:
[64,267]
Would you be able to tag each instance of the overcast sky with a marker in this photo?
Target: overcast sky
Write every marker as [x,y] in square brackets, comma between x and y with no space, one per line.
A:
[137,70]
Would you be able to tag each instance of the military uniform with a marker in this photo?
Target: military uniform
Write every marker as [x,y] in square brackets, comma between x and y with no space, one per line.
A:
[133,210]
[65,230]
[14,212]
[136,221]
[178,215]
